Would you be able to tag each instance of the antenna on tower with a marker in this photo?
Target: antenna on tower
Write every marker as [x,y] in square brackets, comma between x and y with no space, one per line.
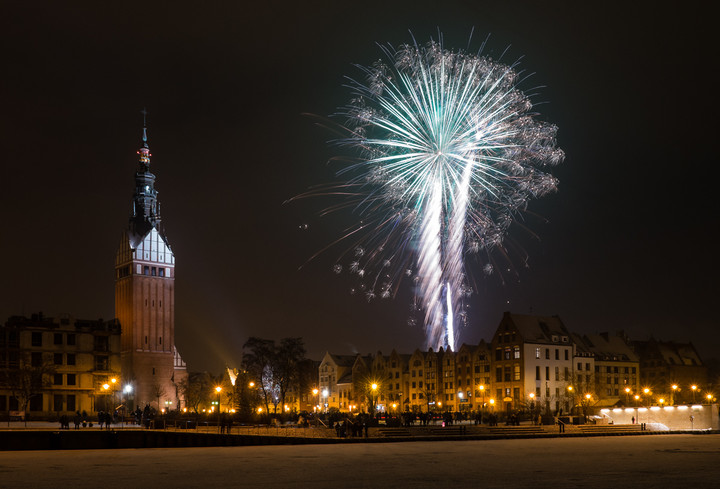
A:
[144,113]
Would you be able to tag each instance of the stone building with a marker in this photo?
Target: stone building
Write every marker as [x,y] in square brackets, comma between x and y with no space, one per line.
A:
[532,363]
[72,363]
[664,364]
[617,378]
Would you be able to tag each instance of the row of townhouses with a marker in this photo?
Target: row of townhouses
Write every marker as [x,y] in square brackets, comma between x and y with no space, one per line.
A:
[533,363]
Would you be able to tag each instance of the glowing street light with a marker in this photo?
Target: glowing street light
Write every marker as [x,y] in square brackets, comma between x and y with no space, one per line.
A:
[571,393]
[374,388]
[218,390]
[315,392]
[694,388]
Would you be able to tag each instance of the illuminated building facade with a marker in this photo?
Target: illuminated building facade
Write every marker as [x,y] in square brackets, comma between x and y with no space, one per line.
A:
[617,378]
[145,298]
[72,361]
[532,355]
[533,364]
[664,364]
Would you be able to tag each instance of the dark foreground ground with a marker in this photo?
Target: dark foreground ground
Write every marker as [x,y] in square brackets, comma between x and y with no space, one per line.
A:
[690,461]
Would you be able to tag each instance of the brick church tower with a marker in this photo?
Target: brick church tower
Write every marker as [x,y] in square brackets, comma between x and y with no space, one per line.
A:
[145,299]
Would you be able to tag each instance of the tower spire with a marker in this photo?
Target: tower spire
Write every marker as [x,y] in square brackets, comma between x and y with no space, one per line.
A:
[146,212]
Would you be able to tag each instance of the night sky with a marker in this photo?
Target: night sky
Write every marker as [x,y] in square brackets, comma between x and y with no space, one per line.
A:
[628,243]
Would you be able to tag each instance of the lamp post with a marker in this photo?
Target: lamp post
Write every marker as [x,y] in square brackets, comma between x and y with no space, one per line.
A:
[113,383]
[586,407]
[127,390]
[325,394]
[694,388]
[315,392]
[374,388]
[105,387]
[571,393]
[627,395]
[482,393]
[674,388]
[532,404]
[218,390]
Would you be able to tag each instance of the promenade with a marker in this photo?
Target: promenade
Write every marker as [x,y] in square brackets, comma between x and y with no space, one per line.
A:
[40,435]
[681,460]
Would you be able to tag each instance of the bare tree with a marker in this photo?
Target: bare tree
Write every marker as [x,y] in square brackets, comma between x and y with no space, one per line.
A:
[197,390]
[276,367]
[258,362]
[27,381]
[157,391]
[288,358]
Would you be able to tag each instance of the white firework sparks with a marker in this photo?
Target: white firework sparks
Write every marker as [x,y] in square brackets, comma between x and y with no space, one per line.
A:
[450,152]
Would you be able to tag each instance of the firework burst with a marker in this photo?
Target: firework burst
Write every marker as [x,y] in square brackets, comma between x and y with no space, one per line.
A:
[449,154]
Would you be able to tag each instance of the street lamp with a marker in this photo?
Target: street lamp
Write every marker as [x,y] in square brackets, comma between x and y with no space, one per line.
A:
[325,394]
[694,388]
[315,392]
[105,387]
[674,390]
[127,390]
[588,398]
[627,395]
[482,392]
[218,389]
[374,388]
[531,395]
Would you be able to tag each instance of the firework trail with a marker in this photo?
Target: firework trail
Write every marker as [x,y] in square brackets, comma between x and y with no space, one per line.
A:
[449,154]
